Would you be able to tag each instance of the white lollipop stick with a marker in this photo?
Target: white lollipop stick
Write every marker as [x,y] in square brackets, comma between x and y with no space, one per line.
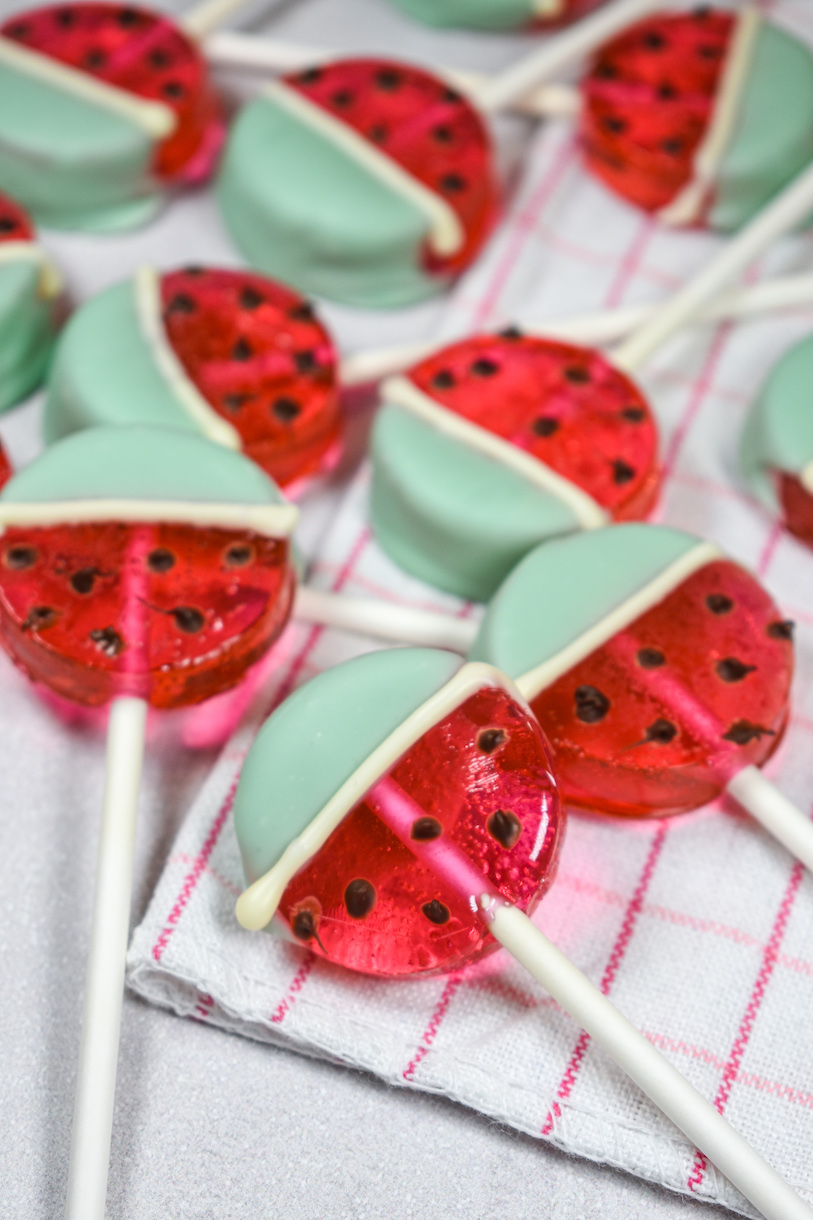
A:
[784,292]
[787,210]
[779,816]
[98,1055]
[635,1054]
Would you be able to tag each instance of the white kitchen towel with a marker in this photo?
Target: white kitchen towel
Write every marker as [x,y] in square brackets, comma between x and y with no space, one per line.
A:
[700,928]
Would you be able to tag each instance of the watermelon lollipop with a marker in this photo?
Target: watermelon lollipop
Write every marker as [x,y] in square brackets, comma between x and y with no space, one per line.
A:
[226,354]
[30,287]
[104,107]
[397,816]
[137,566]
[776,454]
[496,14]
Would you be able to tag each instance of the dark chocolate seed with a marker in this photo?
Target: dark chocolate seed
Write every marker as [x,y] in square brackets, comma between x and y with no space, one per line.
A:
[182,302]
[20,30]
[173,88]
[20,557]
[673,145]
[661,732]
[84,580]
[285,409]
[709,52]
[108,641]
[450,95]
[483,367]
[235,401]
[304,926]
[305,361]
[159,58]
[241,350]
[653,40]
[489,740]
[436,912]
[250,298]
[605,71]
[359,898]
[40,617]
[160,560]
[666,90]
[128,17]
[7,224]
[505,827]
[453,183]
[701,12]
[66,17]
[591,705]
[239,554]
[388,79]
[378,133]
[633,415]
[742,732]
[443,135]
[615,124]
[95,58]
[303,312]
[510,332]
[342,98]
[194,271]
[426,829]
[719,603]
[651,658]
[730,669]
[622,472]
[310,76]
[188,619]
[444,380]
[577,374]
[782,629]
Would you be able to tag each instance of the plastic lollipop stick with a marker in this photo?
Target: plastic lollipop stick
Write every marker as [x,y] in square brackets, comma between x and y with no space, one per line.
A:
[784,292]
[671,1092]
[385,620]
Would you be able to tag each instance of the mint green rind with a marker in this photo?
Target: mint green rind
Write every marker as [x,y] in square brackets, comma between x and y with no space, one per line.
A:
[302,211]
[319,736]
[449,515]
[103,372]
[470,14]
[564,588]
[27,331]
[778,434]
[773,141]
[141,463]
[71,164]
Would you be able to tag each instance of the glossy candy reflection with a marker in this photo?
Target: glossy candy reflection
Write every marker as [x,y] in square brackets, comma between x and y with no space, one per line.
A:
[30,287]
[477,769]
[229,354]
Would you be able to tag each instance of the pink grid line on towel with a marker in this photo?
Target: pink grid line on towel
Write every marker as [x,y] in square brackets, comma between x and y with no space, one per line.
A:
[700,928]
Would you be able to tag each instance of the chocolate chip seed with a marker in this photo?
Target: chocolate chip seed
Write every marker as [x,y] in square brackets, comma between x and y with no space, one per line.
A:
[182,303]
[742,732]
[591,705]
[39,618]
[239,554]
[510,332]
[730,669]
[436,912]
[84,580]
[781,630]
[483,367]
[719,603]
[303,312]
[305,361]
[633,415]
[359,898]
[651,658]
[188,619]
[490,739]
[453,183]
[443,135]
[545,426]
[622,472]
[18,558]
[108,641]
[250,298]
[426,829]
[342,98]
[235,401]
[388,79]
[160,560]
[614,124]
[577,374]
[7,224]
[444,380]
[304,927]
[159,58]
[661,732]
[285,409]
[174,88]
[505,827]
[241,350]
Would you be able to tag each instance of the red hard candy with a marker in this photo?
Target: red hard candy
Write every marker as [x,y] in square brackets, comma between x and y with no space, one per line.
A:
[136,50]
[565,405]
[262,360]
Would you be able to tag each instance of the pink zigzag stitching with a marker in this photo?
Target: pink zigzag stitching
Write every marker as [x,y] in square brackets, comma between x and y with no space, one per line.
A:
[435,1022]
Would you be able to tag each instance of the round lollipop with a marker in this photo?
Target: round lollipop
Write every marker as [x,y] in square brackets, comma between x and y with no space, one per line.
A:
[226,354]
[428,830]
[496,14]
[371,181]
[30,287]
[104,107]
[776,453]
[138,566]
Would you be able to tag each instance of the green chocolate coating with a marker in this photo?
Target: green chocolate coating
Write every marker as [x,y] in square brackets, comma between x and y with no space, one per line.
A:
[70,163]
[319,736]
[104,372]
[564,588]
[26,331]
[301,210]
[141,463]
[778,434]
[450,515]
[773,140]
[470,14]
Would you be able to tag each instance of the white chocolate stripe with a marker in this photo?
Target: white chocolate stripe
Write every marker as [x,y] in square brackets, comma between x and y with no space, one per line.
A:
[158,120]
[51,283]
[687,206]
[273,520]
[402,392]
[257,905]
[147,295]
[445,236]
[544,675]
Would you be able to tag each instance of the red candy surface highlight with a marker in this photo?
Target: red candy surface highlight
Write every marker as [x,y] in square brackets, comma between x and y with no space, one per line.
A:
[171,613]
[565,405]
[658,719]
[648,100]
[797,507]
[6,470]
[482,777]
[138,51]
[262,360]
[15,223]
[424,126]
